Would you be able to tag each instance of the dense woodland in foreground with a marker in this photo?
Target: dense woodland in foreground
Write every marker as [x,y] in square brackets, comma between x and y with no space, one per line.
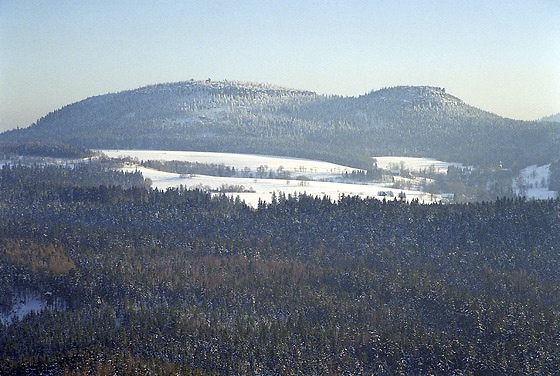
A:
[145,281]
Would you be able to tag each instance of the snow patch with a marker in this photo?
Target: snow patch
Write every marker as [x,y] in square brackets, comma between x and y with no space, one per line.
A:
[415,164]
[315,170]
[532,183]
[27,303]
[264,188]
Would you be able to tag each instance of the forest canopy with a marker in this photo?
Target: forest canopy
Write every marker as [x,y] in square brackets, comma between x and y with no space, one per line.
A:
[182,281]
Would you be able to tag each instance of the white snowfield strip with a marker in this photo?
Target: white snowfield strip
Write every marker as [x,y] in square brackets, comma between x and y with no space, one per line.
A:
[532,182]
[414,164]
[264,188]
[296,166]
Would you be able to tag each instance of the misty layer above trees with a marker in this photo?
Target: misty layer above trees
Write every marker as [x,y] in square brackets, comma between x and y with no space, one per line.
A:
[254,118]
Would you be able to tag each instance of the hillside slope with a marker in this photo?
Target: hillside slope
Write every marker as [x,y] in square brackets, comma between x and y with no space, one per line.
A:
[555,117]
[255,118]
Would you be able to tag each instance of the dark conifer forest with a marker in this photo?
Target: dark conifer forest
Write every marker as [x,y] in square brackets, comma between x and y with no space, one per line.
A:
[143,281]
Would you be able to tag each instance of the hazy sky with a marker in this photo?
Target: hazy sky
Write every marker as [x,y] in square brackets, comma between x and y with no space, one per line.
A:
[501,56]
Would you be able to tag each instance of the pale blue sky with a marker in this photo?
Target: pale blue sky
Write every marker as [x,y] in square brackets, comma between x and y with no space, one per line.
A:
[501,56]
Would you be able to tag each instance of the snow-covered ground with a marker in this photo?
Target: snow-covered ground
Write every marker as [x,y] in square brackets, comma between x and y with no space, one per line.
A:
[264,188]
[24,305]
[315,170]
[28,160]
[315,178]
[414,164]
[324,178]
[532,183]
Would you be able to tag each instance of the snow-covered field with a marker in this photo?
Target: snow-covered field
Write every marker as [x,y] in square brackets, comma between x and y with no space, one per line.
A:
[264,188]
[532,183]
[325,179]
[315,178]
[414,164]
[310,168]
[316,170]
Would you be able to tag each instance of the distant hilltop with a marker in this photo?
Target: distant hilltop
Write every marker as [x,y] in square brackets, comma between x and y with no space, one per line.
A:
[224,86]
[232,116]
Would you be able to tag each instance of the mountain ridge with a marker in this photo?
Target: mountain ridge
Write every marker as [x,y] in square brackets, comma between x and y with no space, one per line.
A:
[235,116]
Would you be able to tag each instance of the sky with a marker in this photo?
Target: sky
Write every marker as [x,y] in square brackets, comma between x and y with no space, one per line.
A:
[500,56]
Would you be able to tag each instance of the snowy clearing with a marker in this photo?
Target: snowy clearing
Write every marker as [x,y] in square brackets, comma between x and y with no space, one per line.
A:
[264,188]
[321,178]
[316,170]
[24,305]
[532,183]
[414,164]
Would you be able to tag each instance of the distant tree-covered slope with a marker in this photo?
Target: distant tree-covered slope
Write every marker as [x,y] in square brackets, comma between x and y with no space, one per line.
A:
[255,118]
[43,149]
[555,117]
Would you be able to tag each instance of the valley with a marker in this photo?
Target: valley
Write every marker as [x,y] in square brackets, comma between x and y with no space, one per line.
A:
[258,178]
[266,176]
[258,188]
[235,228]
[261,178]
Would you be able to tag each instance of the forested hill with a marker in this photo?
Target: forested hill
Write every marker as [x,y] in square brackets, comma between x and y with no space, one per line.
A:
[256,118]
